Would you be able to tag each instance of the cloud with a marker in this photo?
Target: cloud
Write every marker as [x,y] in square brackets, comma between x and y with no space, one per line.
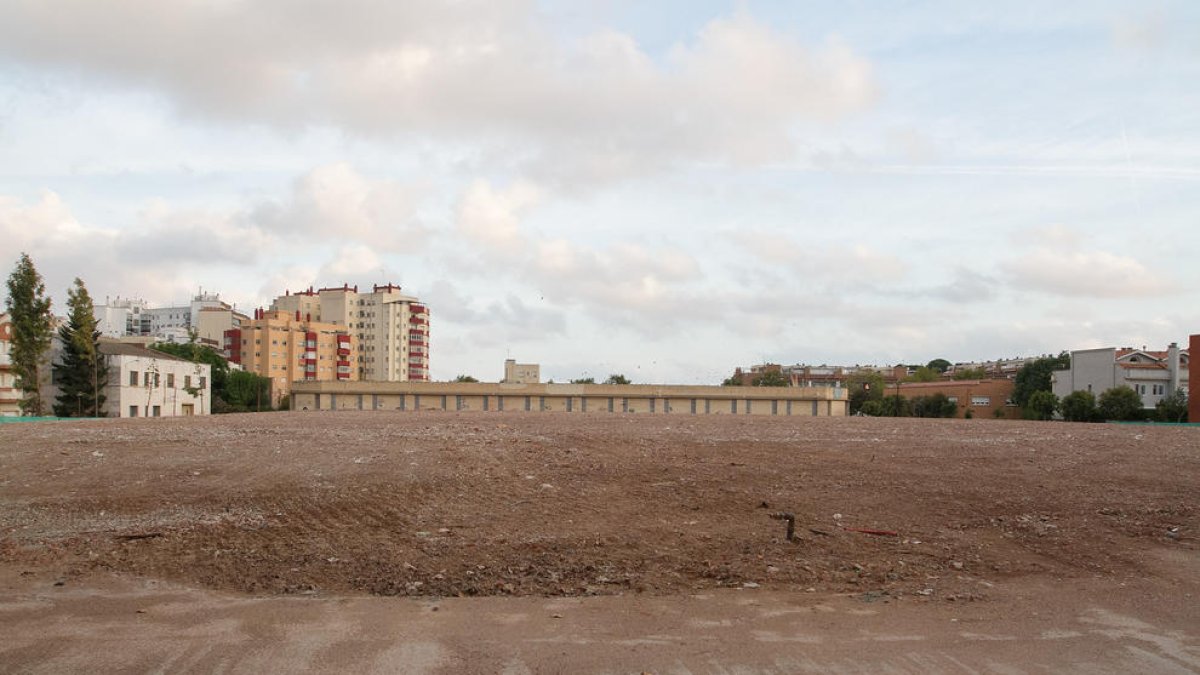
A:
[595,107]
[337,202]
[1096,274]
[490,216]
[848,265]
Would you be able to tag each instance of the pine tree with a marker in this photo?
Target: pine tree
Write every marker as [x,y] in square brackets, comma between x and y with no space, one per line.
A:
[29,309]
[82,373]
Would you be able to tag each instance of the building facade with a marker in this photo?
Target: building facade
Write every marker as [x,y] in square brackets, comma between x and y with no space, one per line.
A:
[10,396]
[598,399]
[991,398]
[391,329]
[1152,374]
[206,315]
[1193,373]
[287,348]
[144,383]
[521,373]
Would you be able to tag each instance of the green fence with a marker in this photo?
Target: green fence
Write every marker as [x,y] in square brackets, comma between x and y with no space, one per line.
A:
[6,420]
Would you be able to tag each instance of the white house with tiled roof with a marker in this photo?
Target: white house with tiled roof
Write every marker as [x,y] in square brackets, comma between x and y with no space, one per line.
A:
[146,383]
[1152,374]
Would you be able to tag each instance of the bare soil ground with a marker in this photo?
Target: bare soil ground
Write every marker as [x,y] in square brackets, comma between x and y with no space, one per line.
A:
[450,504]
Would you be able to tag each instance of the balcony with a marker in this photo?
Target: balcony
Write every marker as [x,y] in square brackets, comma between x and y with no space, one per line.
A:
[343,364]
[343,351]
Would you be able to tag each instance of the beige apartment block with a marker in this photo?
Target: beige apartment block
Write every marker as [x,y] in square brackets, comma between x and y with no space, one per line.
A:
[523,373]
[390,328]
[597,399]
[288,348]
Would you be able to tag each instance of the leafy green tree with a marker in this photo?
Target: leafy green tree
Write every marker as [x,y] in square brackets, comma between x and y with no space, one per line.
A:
[1036,376]
[1120,404]
[1173,408]
[734,380]
[617,378]
[934,405]
[940,365]
[1079,406]
[864,386]
[771,378]
[82,373]
[246,391]
[29,309]
[465,378]
[924,374]
[971,374]
[888,406]
[1041,406]
[198,353]
[584,380]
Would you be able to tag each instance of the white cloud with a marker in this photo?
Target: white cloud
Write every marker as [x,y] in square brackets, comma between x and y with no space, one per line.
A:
[337,202]
[1096,274]
[596,107]
[490,216]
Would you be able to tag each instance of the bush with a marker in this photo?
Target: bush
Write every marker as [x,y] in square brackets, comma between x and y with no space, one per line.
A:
[1173,408]
[934,405]
[1120,404]
[1041,406]
[1080,406]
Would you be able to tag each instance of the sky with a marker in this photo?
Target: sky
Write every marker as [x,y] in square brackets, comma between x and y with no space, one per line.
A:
[667,190]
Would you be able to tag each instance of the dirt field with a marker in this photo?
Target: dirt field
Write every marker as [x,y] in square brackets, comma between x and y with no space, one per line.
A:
[448,504]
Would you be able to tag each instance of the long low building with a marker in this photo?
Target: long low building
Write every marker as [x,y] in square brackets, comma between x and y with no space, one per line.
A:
[572,398]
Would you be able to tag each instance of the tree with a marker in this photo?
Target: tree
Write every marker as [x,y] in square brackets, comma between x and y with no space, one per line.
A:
[246,391]
[864,386]
[617,378]
[29,309]
[1079,406]
[970,374]
[82,374]
[1121,404]
[198,353]
[1041,406]
[1036,376]
[924,374]
[734,380]
[934,405]
[1173,408]
[940,365]
[771,378]
[584,380]
[888,406]
[465,378]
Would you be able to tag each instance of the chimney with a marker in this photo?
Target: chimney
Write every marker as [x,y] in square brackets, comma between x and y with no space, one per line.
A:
[1173,367]
[297,315]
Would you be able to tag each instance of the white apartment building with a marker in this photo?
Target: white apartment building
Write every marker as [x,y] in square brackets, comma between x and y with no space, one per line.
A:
[207,314]
[391,329]
[1153,375]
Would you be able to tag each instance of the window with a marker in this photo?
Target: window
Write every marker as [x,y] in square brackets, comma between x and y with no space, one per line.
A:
[156,379]
[952,399]
[170,380]
[146,379]
[133,411]
[981,400]
[187,381]
[157,411]
[203,380]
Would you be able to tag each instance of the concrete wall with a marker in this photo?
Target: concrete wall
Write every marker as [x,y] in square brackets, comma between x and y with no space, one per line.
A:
[571,398]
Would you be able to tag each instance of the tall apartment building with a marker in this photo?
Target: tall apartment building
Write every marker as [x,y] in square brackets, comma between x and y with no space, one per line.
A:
[287,347]
[391,329]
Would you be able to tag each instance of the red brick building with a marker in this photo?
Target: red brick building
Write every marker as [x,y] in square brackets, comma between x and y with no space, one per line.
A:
[1193,373]
[984,398]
